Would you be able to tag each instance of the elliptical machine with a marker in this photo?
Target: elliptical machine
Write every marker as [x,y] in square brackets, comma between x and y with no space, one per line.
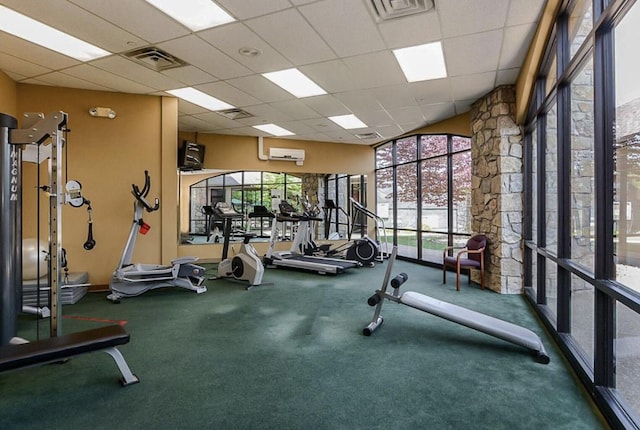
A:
[246,265]
[130,280]
[365,251]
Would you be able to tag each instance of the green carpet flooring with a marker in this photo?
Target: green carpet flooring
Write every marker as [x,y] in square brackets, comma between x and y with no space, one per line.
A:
[291,356]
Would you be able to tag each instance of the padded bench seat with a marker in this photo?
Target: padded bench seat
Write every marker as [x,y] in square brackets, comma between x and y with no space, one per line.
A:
[62,347]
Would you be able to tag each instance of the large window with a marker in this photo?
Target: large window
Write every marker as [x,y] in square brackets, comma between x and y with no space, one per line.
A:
[422,209]
[582,256]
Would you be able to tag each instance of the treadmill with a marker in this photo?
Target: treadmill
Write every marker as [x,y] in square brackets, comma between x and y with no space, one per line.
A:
[294,258]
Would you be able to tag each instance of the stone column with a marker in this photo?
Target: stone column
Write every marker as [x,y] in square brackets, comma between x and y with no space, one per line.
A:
[497,188]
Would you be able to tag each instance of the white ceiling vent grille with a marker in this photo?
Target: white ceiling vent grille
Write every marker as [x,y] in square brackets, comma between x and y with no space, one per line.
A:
[374,135]
[155,58]
[235,113]
[390,9]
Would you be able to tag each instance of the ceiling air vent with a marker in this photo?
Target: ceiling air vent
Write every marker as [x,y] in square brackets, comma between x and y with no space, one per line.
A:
[390,9]
[235,113]
[374,135]
[155,59]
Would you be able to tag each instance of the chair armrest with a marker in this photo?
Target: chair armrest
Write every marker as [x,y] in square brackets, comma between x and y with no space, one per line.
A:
[449,248]
[475,251]
[471,251]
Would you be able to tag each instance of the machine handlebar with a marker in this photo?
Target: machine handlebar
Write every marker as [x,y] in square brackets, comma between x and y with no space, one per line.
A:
[141,195]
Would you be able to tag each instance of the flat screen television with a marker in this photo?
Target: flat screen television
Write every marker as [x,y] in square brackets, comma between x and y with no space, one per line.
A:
[191,156]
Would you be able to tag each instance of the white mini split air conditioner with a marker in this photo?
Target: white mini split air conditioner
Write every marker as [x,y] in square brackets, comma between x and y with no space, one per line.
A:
[287,154]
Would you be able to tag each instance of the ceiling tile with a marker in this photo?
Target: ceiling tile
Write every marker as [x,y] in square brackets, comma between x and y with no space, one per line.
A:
[296,40]
[63,80]
[433,112]
[137,17]
[524,11]
[507,76]
[228,93]
[232,37]
[359,100]
[295,109]
[189,75]
[463,106]
[333,76]
[411,30]
[346,26]
[246,9]
[260,88]
[461,17]
[432,91]
[376,118]
[76,21]
[407,115]
[326,105]
[388,71]
[395,96]
[186,108]
[11,64]
[472,86]
[107,79]
[201,54]
[514,39]
[33,53]
[471,54]
[321,124]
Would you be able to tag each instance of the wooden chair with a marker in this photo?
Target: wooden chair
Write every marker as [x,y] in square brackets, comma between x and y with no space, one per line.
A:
[469,257]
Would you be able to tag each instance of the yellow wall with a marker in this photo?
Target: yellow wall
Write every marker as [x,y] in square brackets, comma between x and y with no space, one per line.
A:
[8,95]
[459,124]
[106,156]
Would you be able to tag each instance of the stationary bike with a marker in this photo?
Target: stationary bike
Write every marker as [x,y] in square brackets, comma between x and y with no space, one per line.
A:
[130,280]
[244,266]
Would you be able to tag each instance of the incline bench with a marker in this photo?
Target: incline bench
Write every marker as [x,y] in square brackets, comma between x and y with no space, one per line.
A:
[62,347]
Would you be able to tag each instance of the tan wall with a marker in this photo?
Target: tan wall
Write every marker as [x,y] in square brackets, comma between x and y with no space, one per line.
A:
[8,95]
[106,156]
[459,124]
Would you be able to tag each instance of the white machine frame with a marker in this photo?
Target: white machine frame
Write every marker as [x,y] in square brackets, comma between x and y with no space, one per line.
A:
[130,280]
[246,265]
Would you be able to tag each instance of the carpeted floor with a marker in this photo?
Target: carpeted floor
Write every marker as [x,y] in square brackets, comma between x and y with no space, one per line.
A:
[291,356]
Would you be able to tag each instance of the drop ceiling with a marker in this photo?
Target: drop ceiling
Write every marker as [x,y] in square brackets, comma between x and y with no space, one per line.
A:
[342,45]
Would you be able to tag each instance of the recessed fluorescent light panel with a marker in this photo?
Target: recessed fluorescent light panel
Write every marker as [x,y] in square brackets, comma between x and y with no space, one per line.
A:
[294,81]
[422,62]
[195,14]
[33,31]
[348,121]
[274,129]
[199,98]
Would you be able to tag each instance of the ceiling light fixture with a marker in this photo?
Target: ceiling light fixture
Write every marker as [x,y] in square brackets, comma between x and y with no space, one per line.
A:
[195,14]
[295,82]
[348,121]
[274,129]
[199,98]
[422,62]
[34,31]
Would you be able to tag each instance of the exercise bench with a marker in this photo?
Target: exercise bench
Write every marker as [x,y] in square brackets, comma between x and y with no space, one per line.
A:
[63,347]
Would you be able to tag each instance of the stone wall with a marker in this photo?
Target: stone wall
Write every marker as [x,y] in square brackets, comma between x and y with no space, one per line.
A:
[497,188]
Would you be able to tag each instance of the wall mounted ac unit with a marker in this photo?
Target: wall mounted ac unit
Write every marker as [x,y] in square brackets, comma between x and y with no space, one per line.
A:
[287,154]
